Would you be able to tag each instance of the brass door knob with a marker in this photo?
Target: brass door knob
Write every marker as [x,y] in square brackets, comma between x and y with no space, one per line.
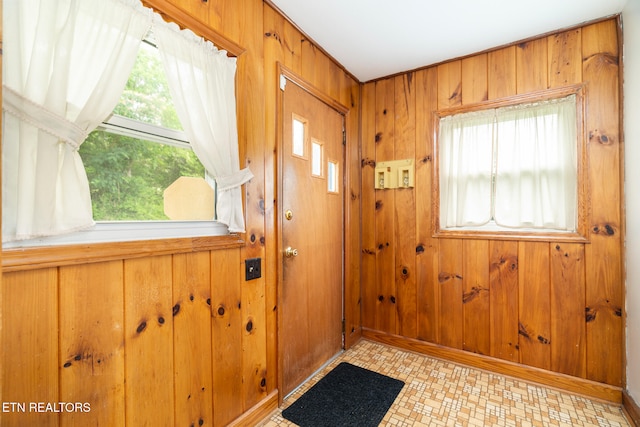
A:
[290,252]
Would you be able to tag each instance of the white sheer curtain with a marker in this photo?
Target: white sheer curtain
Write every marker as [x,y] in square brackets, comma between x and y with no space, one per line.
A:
[536,180]
[202,84]
[465,168]
[65,65]
[513,166]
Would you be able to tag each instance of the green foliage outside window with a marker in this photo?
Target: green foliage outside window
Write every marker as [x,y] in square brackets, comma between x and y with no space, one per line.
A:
[127,176]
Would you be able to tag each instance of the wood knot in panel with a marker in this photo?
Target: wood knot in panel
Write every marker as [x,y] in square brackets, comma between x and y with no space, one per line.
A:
[273,35]
[368,162]
[543,340]
[141,327]
[472,294]
[445,277]
[604,230]
[522,331]
[600,138]
[456,96]
[221,310]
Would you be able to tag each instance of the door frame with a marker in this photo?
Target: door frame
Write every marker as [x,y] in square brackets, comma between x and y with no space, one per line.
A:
[289,77]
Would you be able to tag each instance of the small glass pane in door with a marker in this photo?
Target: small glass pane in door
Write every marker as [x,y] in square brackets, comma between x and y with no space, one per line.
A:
[298,137]
[332,177]
[316,159]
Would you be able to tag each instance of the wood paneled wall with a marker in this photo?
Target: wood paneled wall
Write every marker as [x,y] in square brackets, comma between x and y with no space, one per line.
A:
[154,340]
[544,304]
[170,333]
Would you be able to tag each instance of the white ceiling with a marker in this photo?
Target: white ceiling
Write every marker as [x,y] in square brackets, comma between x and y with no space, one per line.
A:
[378,38]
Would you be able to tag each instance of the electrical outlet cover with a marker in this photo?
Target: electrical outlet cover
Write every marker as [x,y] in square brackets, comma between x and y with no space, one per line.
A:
[252,268]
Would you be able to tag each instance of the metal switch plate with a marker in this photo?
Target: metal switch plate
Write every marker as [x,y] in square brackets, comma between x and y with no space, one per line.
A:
[252,268]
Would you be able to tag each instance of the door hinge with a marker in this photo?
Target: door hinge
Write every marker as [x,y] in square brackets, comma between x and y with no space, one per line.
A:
[283,82]
[344,136]
[344,328]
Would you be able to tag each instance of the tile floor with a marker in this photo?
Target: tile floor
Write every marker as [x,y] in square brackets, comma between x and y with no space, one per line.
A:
[441,393]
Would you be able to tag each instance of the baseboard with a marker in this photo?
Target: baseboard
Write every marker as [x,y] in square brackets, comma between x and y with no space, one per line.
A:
[257,413]
[527,373]
[631,407]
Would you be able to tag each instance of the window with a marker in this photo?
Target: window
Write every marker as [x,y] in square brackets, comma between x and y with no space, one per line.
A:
[316,158]
[95,45]
[512,169]
[332,177]
[299,136]
[141,151]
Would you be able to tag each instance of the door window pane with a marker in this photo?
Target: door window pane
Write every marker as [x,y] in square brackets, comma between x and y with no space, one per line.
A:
[332,177]
[299,130]
[316,159]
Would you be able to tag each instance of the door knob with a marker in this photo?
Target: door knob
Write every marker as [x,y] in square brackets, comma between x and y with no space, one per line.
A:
[290,252]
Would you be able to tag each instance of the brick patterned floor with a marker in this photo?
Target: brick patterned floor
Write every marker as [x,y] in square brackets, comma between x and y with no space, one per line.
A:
[441,393]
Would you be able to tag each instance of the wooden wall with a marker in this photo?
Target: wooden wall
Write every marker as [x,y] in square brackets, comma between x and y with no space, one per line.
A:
[544,304]
[169,332]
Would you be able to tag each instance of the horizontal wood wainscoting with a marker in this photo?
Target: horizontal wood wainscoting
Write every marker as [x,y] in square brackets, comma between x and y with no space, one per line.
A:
[144,333]
[550,305]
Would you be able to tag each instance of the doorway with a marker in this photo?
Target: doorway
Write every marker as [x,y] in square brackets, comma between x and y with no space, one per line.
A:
[311,231]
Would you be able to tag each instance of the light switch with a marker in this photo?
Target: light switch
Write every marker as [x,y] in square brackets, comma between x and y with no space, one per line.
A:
[394,174]
[406,175]
[383,176]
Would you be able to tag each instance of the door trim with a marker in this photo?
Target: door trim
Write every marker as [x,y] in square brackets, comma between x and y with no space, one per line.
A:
[286,76]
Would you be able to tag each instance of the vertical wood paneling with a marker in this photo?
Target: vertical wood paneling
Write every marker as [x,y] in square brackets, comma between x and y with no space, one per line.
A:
[449,84]
[558,309]
[353,256]
[450,280]
[531,66]
[600,57]
[254,343]
[30,331]
[474,79]
[227,332]
[276,48]
[91,336]
[369,247]
[405,206]
[501,72]
[192,339]
[565,58]
[292,44]
[428,296]
[475,298]
[534,304]
[252,91]
[385,210]
[503,299]
[309,53]
[148,331]
[568,335]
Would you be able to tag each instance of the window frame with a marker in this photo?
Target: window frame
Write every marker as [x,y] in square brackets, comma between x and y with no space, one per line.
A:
[581,234]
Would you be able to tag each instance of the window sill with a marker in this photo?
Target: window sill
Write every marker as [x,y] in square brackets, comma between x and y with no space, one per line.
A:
[117,241]
[536,236]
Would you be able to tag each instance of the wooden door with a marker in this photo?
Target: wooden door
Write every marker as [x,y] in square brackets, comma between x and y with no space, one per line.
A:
[311,290]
